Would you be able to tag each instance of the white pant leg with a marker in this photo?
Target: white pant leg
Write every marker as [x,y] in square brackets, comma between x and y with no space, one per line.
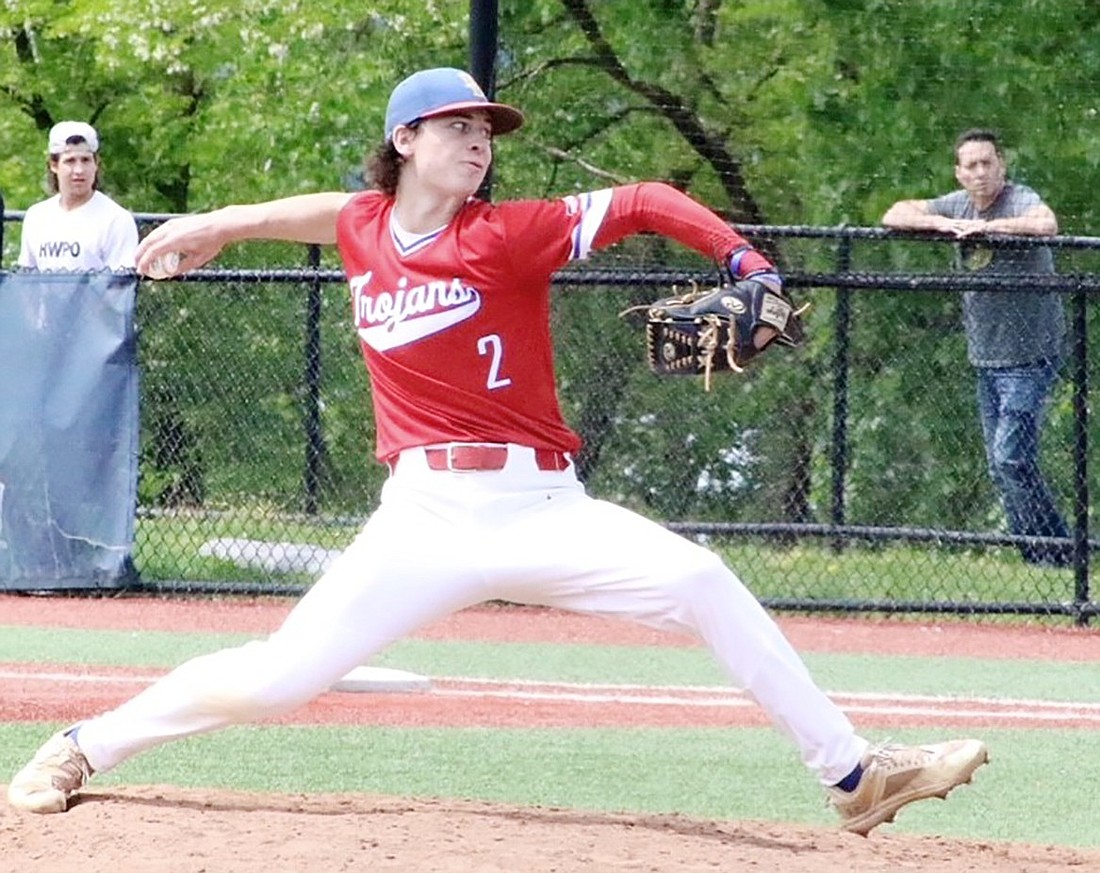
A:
[410,565]
[443,541]
[595,557]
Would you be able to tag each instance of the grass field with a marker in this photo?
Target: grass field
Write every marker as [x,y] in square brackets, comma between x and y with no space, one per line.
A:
[1039,788]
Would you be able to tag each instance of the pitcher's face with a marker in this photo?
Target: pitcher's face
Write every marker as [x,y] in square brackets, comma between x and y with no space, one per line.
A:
[453,152]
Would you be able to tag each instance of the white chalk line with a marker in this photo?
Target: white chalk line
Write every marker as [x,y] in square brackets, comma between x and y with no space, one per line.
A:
[689,696]
[686,696]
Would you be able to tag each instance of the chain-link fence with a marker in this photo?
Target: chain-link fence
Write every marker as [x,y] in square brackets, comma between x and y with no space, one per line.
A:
[847,475]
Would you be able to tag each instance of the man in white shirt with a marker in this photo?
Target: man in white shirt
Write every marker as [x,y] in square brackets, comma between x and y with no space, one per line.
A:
[80,228]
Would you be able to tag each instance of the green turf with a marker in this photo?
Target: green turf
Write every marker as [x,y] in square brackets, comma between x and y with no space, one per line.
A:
[1040,680]
[1031,792]
[1038,789]
[894,572]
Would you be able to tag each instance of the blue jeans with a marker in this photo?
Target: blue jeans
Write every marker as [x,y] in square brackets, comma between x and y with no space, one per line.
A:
[1012,403]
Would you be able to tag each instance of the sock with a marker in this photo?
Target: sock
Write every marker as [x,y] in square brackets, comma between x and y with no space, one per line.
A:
[851,781]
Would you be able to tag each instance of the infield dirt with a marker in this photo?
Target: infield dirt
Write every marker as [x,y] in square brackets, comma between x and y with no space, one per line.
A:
[169,830]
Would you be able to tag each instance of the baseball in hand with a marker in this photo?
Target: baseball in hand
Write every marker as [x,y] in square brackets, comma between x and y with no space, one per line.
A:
[164,266]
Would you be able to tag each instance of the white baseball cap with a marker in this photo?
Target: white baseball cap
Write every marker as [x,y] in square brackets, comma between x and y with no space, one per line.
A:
[63,131]
[442,91]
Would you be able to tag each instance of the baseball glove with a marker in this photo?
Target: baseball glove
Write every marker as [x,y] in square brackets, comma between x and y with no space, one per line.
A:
[709,330]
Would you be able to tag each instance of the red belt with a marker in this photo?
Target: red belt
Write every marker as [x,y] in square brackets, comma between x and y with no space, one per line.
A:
[476,457]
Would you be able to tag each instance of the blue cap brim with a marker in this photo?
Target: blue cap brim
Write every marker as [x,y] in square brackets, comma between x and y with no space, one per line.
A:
[504,118]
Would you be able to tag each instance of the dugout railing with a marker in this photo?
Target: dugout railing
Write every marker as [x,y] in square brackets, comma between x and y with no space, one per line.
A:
[824,263]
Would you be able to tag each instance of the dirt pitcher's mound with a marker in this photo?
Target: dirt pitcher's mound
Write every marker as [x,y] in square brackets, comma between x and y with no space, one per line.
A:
[171,830]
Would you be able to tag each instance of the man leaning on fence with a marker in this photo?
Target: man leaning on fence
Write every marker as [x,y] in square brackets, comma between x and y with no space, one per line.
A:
[1015,334]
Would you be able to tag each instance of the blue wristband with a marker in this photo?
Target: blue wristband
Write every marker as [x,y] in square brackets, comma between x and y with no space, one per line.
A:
[735,259]
[767,277]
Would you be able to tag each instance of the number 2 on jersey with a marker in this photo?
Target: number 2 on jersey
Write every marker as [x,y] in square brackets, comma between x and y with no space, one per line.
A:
[491,345]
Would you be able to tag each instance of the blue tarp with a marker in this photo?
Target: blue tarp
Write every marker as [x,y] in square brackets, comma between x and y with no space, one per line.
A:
[68,430]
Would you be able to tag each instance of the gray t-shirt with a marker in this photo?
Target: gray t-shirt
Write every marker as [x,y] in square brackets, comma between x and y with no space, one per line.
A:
[1018,325]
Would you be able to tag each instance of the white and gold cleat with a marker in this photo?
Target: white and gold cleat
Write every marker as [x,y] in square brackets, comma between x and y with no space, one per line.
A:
[56,772]
[895,776]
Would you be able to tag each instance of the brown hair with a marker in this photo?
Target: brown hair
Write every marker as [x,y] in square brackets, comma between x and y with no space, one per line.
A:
[382,169]
[978,134]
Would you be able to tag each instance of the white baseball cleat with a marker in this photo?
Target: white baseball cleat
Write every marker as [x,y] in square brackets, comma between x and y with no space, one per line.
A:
[894,776]
[56,772]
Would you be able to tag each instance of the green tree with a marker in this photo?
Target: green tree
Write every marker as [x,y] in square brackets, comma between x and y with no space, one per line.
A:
[199,104]
[783,112]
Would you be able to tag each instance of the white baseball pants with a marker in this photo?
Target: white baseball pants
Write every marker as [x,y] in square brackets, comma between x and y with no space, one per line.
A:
[441,541]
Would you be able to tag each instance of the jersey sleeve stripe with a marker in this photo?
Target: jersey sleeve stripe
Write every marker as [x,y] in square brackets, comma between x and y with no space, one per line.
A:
[593,207]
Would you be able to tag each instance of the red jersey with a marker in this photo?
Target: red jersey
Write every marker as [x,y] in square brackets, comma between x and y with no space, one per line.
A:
[455,330]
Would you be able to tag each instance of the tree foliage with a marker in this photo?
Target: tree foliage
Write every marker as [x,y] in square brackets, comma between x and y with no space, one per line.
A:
[788,111]
[202,102]
[770,111]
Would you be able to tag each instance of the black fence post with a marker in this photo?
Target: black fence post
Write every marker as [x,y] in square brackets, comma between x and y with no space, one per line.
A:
[315,441]
[1079,311]
[484,23]
[2,223]
[840,387]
